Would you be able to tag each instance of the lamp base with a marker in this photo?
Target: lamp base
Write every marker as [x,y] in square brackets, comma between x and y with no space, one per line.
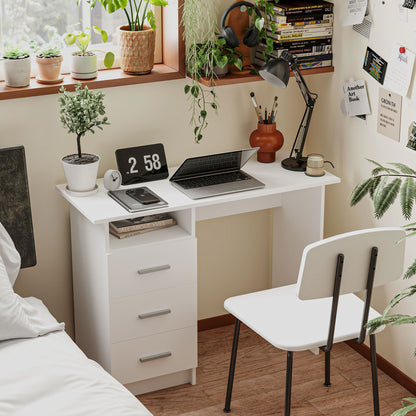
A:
[293,164]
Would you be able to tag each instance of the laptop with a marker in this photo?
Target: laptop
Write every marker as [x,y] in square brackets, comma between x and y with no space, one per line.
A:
[218,174]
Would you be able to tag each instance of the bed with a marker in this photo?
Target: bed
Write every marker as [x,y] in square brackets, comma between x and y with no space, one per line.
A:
[43,372]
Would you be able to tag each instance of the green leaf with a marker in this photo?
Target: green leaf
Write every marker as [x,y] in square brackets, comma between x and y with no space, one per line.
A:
[84,39]
[222,61]
[403,168]
[203,113]
[259,23]
[187,89]
[360,191]
[407,197]
[214,106]
[373,187]
[406,407]
[195,91]
[109,59]
[239,64]
[70,39]
[411,270]
[384,196]
[151,19]
[161,3]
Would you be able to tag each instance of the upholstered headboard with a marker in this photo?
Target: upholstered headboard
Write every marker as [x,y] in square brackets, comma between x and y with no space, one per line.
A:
[15,212]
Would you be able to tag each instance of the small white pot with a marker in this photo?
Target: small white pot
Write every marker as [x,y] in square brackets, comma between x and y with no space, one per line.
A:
[80,177]
[84,66]
[17,72]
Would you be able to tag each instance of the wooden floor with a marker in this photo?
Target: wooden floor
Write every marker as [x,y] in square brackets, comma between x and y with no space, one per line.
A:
[259,386]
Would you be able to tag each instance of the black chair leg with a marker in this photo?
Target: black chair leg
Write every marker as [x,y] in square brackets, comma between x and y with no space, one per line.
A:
[327,368]
[374,375]
[289,367]
[233,359]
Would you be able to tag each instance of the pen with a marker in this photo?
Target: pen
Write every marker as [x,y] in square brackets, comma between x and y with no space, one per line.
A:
[256,107]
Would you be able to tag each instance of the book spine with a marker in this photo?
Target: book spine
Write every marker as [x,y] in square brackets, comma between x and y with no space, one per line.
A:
[137,227]
[305,57]
[294,36]
[300,18]
[304,29]
[315,23]
[282,11]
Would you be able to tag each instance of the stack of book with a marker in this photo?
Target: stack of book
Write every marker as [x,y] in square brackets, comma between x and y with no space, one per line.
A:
[140,225]
[304,28]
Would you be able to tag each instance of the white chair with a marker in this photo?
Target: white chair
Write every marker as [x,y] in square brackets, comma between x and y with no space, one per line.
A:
[321,309]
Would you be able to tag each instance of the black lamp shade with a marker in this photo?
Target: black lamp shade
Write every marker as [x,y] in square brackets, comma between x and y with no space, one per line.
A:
[277,72]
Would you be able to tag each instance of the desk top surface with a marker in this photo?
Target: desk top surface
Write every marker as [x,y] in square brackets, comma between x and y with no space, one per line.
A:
[100,208]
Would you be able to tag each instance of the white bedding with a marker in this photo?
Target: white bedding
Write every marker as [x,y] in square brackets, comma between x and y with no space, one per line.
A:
[50,376]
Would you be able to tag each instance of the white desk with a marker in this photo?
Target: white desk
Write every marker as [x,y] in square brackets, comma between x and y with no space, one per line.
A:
[111,290]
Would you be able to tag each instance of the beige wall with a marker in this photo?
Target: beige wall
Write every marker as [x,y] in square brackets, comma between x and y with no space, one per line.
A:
[234,252]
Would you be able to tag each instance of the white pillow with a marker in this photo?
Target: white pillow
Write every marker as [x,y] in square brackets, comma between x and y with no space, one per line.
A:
[9,254]
[19,317]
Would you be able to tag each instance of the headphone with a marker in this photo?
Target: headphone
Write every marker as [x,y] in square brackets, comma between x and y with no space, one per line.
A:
[251,37]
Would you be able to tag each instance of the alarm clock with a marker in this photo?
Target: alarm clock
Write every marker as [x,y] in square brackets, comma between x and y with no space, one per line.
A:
[112,180]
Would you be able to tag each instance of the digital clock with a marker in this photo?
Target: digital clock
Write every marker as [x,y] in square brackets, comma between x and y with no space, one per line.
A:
[142,163]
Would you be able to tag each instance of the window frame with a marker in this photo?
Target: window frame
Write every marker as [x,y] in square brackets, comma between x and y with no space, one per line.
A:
[172,66]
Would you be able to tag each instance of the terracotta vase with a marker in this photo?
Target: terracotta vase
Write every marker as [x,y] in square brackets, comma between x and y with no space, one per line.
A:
[268,139]
[137,50]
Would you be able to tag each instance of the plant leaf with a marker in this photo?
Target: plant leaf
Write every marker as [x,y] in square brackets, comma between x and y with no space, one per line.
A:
[407,197]
[384,198]
[403,168]
[406,407]
[109,59]
[411,270]
[360,191]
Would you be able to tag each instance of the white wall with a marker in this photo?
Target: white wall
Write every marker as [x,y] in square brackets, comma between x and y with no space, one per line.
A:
[348,142]
[234,249]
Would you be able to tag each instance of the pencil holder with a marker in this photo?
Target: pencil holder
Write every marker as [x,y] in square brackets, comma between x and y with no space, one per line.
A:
[268,139]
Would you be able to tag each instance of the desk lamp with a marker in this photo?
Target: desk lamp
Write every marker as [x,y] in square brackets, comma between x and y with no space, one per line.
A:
[277,72]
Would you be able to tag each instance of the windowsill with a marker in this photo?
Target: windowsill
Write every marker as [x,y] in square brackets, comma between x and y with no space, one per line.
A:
[105,79]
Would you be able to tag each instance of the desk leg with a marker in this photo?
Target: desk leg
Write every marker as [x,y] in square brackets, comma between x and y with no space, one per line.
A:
[297,223]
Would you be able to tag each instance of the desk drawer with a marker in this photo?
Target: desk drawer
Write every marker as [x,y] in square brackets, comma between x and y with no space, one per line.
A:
[152,313]
[154,356]
[142,269]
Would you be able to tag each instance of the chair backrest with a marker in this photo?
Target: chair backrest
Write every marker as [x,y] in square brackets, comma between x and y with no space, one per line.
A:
[319,260]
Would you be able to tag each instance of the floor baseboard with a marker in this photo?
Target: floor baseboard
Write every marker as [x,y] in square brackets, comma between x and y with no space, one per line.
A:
[397,375]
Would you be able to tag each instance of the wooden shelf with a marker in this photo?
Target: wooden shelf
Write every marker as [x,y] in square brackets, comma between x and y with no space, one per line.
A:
[230,79]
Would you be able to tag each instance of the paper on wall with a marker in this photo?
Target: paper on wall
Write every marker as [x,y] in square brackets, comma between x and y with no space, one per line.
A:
[355,12]
[399,70]
[389,114]
[356,98]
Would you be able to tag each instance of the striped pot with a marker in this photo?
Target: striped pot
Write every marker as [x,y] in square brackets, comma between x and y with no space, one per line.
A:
[137,50]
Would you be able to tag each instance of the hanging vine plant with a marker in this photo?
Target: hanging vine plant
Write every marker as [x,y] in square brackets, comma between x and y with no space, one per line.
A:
[204,50]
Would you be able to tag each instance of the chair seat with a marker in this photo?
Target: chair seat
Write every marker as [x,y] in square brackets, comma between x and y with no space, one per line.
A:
[291,324]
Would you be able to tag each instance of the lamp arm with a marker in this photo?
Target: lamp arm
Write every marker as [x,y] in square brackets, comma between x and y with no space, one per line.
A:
[308,96]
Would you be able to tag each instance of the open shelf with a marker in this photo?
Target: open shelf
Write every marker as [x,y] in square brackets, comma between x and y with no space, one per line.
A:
[240,78]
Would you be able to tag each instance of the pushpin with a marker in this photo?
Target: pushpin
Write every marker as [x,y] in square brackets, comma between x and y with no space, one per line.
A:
[402,54]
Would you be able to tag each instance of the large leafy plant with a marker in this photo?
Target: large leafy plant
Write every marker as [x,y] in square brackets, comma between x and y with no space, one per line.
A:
[135,13]
[385,185]
[82,111]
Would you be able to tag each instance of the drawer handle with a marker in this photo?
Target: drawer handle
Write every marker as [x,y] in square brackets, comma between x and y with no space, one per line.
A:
[155,356]
[154,313]
[154,269]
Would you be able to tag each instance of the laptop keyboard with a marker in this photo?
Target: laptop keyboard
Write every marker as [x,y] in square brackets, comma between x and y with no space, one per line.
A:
[213,180]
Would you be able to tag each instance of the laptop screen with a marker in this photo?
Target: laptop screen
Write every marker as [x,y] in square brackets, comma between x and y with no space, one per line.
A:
[219,162]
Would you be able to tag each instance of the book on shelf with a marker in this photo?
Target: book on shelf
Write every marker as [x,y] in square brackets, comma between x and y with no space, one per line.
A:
[298,46]
[326,28]
[299,58]
[141,223]
[301,17]
[296,7]
[303,35]
[126,234]
[297,49]
[301,25]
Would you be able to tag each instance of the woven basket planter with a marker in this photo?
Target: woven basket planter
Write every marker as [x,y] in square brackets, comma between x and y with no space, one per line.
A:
[137,50]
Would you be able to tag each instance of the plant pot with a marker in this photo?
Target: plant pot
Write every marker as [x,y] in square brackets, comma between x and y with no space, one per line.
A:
[81,174]
[84,66]
[49,69]
[136,50]
[268,139]
[220,72]
[17,72]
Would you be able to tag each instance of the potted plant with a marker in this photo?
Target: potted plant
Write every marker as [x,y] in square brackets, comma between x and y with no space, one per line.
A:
[49,60]
[16,66]
[137,41]
[81,112]
[84,62]
[383,187]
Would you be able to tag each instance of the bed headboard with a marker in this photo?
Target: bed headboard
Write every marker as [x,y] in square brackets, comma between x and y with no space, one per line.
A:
[15,212]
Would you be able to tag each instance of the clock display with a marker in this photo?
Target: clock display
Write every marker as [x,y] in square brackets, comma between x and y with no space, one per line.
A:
[142,163]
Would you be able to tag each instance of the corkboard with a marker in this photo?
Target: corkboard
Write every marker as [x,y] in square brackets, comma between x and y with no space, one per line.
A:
[15,211]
